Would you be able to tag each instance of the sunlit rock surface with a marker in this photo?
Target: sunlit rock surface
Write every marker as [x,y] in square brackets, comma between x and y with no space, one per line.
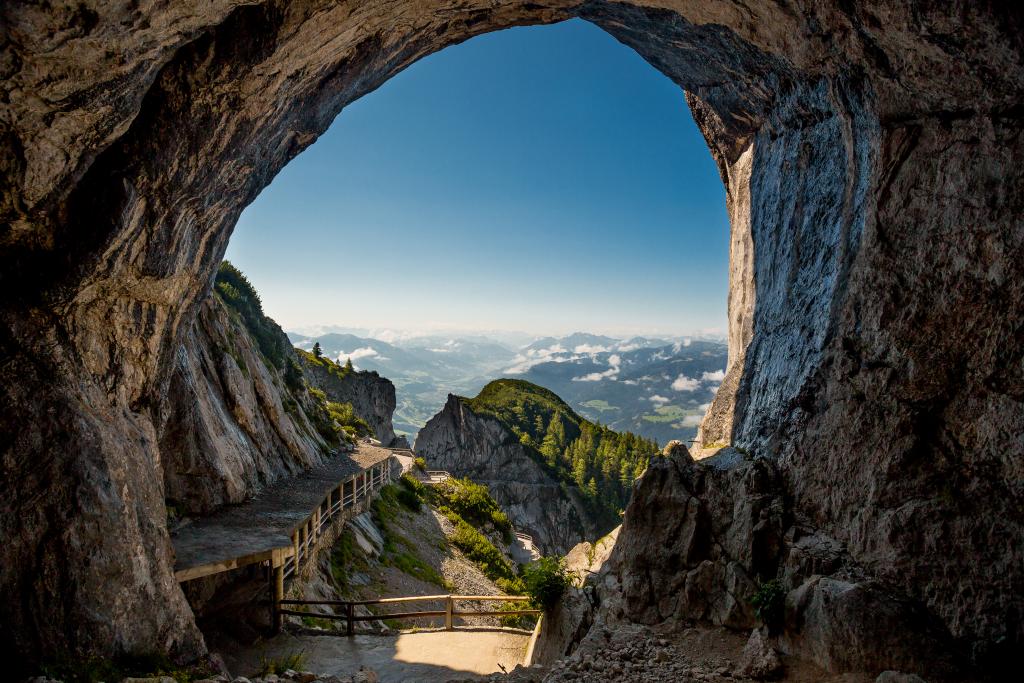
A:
[871,154]
[372,398]
[483,449]
[233,425]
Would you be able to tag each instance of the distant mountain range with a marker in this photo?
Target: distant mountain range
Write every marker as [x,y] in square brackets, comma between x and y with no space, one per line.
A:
[656,388]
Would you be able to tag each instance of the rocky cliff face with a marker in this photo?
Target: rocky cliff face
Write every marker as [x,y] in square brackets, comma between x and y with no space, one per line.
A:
[233,425]
[871,156]
[483,449]
[372,397]
[703,537]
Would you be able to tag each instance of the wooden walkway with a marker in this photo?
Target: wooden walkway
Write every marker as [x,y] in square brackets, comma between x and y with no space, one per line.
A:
[282,523]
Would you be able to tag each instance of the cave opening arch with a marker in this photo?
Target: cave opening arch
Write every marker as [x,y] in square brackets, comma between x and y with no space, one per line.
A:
[129,167]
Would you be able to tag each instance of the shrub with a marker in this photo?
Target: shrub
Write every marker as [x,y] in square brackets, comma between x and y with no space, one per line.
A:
[769,604]
[515,620]
[345,415]
[420,464]
[482,552]
[408,498]
[546,581]
[473,503]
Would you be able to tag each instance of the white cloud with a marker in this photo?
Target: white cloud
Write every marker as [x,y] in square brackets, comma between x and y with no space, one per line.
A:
[364,352]
[659,399]
[704,406]
[691,420]
[684,383]
[630,382]
[524,361]
[628,347]
[614,361]
[716,376]
[590,348]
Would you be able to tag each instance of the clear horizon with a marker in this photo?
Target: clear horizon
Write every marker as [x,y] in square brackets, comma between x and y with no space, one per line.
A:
[539,180]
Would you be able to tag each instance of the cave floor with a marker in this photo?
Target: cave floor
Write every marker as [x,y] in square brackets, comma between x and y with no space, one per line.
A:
[421,656]
[235,534]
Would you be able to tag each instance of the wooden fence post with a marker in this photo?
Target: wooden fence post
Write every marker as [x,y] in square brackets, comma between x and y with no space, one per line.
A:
[278,574]
[349,609]
[448,604]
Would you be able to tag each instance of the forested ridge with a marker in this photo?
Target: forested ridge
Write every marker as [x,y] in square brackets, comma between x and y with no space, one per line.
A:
[600,462]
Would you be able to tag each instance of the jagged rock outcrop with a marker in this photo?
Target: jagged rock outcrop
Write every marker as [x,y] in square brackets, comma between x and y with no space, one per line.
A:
[234,425]
[701,537]
[870,153]
[483,449]
[372,397]
[697,538]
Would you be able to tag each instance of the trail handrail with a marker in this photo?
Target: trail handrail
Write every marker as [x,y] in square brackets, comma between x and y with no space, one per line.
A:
[449,612]
[438,476]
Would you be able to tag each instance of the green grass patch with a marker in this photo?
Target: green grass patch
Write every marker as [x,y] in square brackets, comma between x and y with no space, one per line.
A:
[482,552]
[296,661]
[599,405]
[473,503]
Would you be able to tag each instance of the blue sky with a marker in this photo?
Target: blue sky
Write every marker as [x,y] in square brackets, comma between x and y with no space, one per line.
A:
[543,179]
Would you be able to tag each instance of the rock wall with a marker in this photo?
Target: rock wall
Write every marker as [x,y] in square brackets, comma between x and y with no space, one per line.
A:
[372,398]
[232,424]
[870,152]
[701,538]
[481,448]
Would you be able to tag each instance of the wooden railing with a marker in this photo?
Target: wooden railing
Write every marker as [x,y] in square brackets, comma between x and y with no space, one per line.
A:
[347,495]
[527,539]
[437,476]
[449,613]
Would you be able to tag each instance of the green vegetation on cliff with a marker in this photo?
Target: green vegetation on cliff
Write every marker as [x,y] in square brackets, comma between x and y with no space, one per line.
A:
[328,365]
[600,462]
[237,292]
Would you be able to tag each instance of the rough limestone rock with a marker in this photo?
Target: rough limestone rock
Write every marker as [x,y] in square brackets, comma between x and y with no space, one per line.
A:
[587,559]
[372,398]
[760,660]
[871,157]
[845,626]
[481,448]
[696,537]
[897,677]
[228,431]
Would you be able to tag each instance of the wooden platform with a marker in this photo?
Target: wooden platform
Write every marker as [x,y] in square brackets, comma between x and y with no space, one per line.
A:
[272,525]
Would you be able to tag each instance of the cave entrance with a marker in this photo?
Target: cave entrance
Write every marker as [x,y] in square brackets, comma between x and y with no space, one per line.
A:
[130,168]
[534,203]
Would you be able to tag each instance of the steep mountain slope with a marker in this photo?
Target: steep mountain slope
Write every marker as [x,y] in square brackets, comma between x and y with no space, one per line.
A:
[243,414]
[372,397]
[242,417]
[558,476]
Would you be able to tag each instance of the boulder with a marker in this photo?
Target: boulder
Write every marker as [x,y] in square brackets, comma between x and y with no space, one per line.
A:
[844,626]
[759,659]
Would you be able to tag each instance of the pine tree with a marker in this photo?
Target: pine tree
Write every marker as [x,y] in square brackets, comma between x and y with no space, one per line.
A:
[348,366]
[554,440]
[579,470]
[317,351]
